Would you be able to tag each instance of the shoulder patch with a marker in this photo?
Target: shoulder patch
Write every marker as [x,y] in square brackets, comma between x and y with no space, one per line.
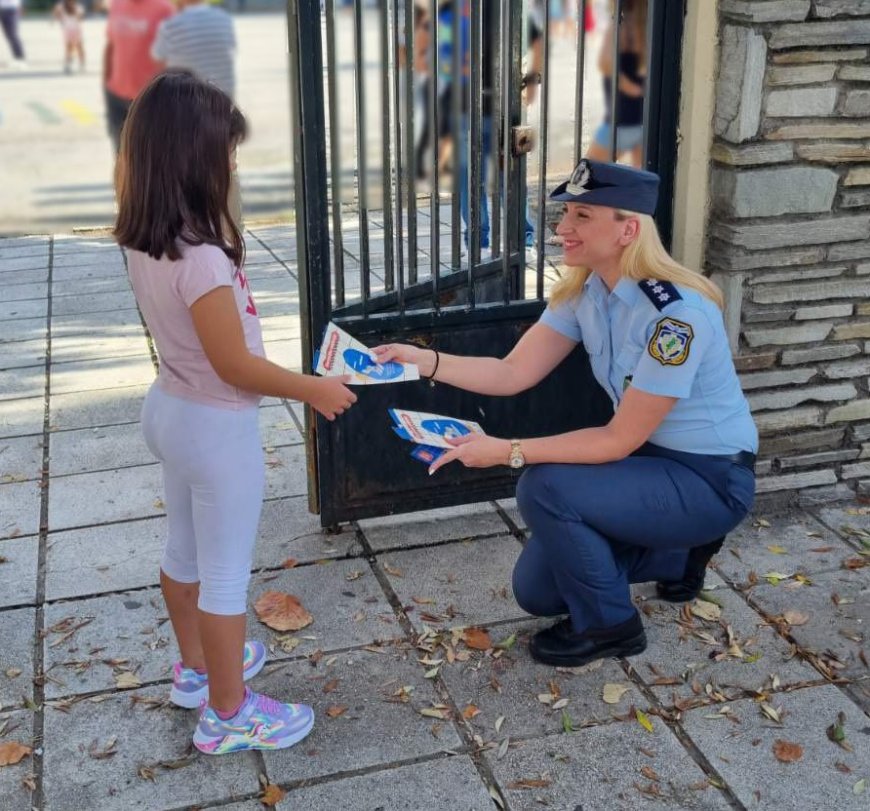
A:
[659,293]
[671,341]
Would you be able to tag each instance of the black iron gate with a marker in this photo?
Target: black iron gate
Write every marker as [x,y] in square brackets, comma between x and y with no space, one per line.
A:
[384,256]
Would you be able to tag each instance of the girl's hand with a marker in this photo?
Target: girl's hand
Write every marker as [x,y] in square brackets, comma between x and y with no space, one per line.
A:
[330,396]
[475,450]
[407,353]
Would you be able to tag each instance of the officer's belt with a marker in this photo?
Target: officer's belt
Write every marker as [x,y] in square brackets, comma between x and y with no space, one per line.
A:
[744,458]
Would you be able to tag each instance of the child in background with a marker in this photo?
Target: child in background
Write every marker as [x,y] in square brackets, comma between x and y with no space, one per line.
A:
[200,418]
[70,13]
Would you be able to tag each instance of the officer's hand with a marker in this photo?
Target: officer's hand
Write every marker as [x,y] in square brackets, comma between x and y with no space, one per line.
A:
[330,396]
[475,450]
[407,353]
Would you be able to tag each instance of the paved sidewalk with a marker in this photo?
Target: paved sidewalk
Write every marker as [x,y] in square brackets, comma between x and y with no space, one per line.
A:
[772,668]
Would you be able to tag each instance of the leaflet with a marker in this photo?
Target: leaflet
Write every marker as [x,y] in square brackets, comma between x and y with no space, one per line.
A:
[431,430]
[341,354]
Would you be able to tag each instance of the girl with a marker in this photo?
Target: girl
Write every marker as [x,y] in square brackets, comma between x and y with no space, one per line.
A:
[185,258]
[650,495]
[69,13]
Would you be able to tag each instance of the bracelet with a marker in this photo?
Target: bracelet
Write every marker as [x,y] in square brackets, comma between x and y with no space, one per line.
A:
[431,377]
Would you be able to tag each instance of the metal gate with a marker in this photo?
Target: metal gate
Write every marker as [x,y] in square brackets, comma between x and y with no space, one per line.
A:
[385,257]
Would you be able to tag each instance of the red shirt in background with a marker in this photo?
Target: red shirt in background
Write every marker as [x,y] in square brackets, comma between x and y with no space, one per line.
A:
[132,27]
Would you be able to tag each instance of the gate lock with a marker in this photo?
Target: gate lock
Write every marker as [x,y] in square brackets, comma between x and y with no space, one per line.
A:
[523,140]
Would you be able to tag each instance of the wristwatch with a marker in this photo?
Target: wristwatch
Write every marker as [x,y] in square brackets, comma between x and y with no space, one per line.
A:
[516,460]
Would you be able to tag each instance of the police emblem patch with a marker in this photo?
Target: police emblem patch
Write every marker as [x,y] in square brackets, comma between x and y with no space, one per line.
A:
[580,178]
[670,342]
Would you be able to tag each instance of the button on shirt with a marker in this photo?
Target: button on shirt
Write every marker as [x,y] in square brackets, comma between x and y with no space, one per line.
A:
[680,350]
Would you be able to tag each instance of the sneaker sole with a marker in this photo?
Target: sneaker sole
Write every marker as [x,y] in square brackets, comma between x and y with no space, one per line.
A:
[284,743]
[191,701]
[631,647]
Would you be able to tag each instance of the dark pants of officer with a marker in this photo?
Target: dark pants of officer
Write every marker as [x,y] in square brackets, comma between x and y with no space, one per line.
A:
[597,528]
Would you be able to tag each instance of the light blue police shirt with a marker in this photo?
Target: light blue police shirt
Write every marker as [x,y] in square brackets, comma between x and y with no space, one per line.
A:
[675,347]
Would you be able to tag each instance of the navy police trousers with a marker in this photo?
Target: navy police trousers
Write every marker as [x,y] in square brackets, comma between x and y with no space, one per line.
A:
[597,528]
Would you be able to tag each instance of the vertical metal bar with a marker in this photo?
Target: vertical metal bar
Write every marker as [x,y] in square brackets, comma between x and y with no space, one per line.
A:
[397,95]
[543,128]
[457,134]
[651,19]
[411,158]
[494,35]
[513,177]
[614,79]
[473,156]
[386,157]
[334,154]
[361,162]
[506,146]
[581,77]
[434,200]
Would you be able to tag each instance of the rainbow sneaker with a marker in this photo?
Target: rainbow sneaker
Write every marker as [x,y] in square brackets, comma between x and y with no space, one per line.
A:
[260,723]
[190,689]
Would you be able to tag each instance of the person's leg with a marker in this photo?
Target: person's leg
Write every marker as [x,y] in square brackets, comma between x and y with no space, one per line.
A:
[463,169]
[534,585]
[14,35]
[116,115]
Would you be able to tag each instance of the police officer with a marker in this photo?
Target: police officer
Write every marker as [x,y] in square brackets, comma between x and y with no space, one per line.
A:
[650,495]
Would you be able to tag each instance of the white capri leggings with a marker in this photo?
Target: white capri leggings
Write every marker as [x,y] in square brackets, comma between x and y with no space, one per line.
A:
[213,479]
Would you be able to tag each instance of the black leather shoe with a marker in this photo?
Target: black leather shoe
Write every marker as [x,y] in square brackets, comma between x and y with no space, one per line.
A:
[681,591]
[562,646]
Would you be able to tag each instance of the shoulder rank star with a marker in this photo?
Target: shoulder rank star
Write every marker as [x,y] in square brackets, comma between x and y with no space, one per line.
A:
[670,342]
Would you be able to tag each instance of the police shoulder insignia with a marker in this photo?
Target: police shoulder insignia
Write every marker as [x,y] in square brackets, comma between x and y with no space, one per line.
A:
[670,342]
[659,293]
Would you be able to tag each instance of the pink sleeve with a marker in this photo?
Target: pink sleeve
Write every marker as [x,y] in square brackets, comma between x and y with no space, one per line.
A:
[202,270]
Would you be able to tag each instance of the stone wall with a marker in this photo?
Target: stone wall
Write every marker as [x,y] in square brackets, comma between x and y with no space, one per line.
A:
[789,234]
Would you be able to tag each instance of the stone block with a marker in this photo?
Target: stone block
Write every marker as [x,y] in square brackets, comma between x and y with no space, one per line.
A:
[813,34]
[801,74]
[752,770]
[814,496]
[759,316]
[859,410]
[20,504]
[761,360]
[773,192]
[22,417]
[726,256]
[806,333]
[795,481]
[858,176]
[22,354]
[861,432]
[809,274]
[840,371]
[855,73]
[856,471]
[801,102]
[863,308]
[839,8]
[817,353]
[816,291]
[777,421]
[781,377]
[126,343]
[68,325]
[751,154]
[28,309]
[740,83]
[17,630]
[844,332]
[832,55]
[835,153]
[857,103]
[823,311]
[855,198]
[766,11]
[790,441]
[822,129]
[865,451]
[788,398]
[864,490]
[814,459]
[778,235]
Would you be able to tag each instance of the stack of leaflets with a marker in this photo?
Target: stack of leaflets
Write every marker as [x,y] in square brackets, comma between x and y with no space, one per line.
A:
[430,432]
[341,354]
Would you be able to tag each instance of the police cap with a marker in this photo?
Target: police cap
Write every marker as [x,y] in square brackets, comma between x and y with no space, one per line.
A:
[595,183]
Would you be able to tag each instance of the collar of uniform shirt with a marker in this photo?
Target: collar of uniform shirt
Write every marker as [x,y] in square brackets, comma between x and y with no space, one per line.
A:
[626,289]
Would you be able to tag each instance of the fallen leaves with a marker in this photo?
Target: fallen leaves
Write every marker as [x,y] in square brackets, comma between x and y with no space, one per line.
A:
[706,610]
[786,751]
[477,638]
[643,720]
[12,752]
[272,795]
[127,680]
[530,782]
[336,710]
[837,732]
[796,617]
[290,563]
[282,611]
[613,693]
[470,712]
[393,570]
[97,752]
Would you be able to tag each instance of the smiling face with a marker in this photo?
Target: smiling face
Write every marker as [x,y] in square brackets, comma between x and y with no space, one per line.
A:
[595,236]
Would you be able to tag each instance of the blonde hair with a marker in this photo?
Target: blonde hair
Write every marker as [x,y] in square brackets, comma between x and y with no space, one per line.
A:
[644,258]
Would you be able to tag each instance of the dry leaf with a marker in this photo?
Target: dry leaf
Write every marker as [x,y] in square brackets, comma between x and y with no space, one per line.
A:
[272,795]
[777,550]
[127,681]
[650,774]
[290,563]
[477,638]
[158,504]
[469,712]
[393,571]
[613,693]
[330,686]
[498,722]
[423,600]
[335,710]
[706,610]
[13,752]
[528,782]
[282,611]
[13,672]
[433,712]
[796,617]
[787,752]
[644,721]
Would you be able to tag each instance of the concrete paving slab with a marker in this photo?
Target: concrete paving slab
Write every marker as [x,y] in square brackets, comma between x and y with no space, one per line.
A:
[107,373]
[845,518]
[432,526]
[19,562]
[28,261]
[20,247]
[277,427]
[22,417]
[509,505]
[288,530]
[25,382]
[81,285]
[16,727]
[608,767]
[687,653]
[345,599]
[35,275]
[286,353]
[91,449]
[100,498]
[125,632]
[92,303]
[20,458]
[88,272]
[90,409]
[23,329]
[793,542]
[146,736]
[130,342]
[23,353]
[275,328]
[114,557]
[470,582]
[376,729]
[22,291]
[836,609]
[19,509]
[508,687]
[17,628]
[91,323]
[30,308]
[286,472]
[743,751]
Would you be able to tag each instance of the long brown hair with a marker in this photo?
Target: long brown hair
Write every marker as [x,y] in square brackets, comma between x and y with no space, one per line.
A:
[172,178]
